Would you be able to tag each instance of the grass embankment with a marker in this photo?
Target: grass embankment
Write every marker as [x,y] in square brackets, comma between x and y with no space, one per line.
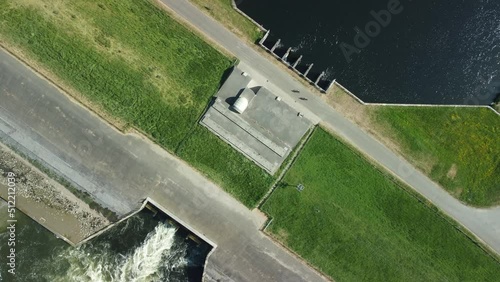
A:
[223,11]
[457,147]
[133,62]
[355,224]
[217,157]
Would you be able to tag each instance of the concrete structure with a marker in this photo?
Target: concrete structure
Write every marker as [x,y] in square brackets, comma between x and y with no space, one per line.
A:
[293,65]
[121,171]
[275,45]
[296,63]
[484,223]
[285,57]
[308,70]
[243,100]
[254,121]
[319,77]
[235,7]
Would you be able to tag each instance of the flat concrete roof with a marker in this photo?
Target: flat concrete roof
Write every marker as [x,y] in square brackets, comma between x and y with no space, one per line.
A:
[266,132]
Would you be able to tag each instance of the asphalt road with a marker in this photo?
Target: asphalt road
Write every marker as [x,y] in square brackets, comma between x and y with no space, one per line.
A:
[484,223]
[120,171]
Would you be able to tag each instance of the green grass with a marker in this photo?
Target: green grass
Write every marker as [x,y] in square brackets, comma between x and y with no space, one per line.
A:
[355,224]
[496,103]
[242,178]
[123,89]
[135,63]
[458,147]
[223,11]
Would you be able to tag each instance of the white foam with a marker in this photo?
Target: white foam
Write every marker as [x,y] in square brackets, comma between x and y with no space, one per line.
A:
[143,264]
[145,261]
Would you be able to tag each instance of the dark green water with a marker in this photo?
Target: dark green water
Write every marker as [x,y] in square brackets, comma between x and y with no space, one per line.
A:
[422,52]
[140,249]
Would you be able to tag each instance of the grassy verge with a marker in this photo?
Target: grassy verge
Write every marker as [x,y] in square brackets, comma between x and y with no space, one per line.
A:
[355,224]
[287,163]
[127,56]
[136,64]
[457,147]
[241,177]
[223,11]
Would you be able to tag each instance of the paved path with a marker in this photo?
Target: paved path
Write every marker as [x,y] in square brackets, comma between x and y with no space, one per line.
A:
[122,170]
[484,223]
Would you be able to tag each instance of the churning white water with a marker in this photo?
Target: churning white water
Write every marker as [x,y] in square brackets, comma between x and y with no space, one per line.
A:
[154,259]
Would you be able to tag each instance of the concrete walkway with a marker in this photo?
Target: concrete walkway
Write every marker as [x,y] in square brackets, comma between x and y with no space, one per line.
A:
[484,223]
[122,170]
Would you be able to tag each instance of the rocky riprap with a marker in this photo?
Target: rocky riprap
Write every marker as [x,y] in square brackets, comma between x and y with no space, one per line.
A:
[36,186]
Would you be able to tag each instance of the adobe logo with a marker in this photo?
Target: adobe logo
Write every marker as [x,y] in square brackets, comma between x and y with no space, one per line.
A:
[362,38]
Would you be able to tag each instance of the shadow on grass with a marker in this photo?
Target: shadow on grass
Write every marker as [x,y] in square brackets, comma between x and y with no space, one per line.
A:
[226,74]
[284,185]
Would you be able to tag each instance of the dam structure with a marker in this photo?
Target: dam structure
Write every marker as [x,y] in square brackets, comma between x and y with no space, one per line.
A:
[120,171]
[146,245]
[296,63]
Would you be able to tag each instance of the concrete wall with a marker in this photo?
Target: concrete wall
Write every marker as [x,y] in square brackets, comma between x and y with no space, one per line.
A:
[295,64]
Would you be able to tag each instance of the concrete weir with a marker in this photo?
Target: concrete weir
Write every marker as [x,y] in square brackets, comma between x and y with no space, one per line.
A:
[153,206]
[308,70]
[319,77]
[296,63]
[293,65]
[97,234]
[276,45]
[286,54]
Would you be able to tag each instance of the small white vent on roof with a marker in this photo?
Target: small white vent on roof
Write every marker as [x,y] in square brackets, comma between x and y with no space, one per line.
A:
[240,105]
